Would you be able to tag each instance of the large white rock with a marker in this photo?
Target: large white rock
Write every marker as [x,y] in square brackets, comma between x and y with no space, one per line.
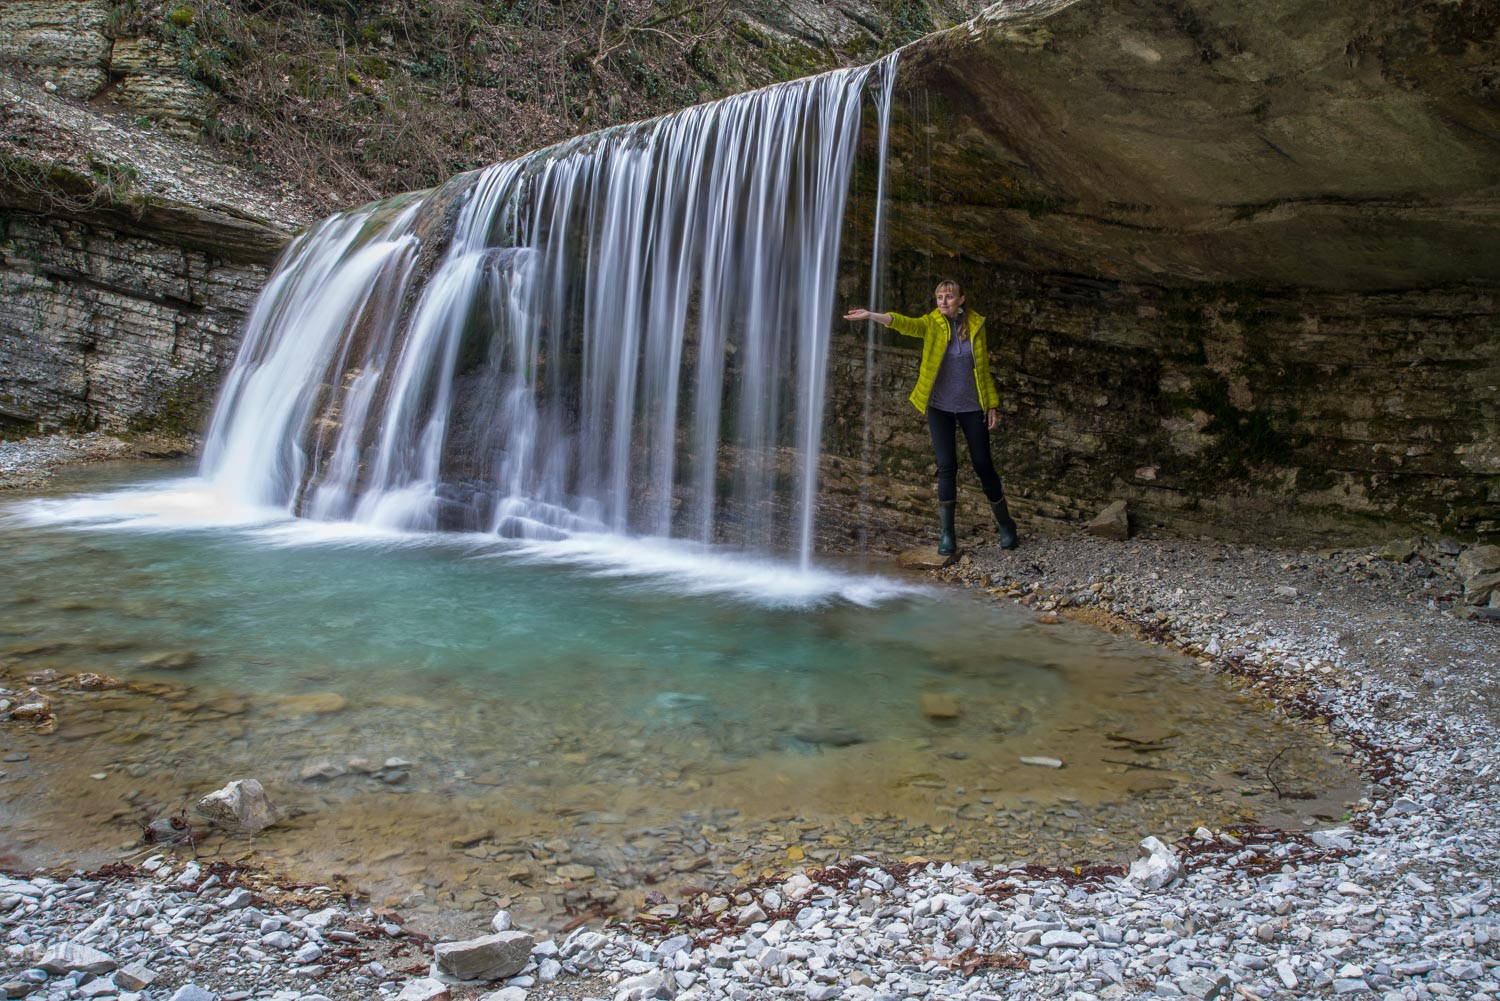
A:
[489,958]
[241,805]
[1158,869]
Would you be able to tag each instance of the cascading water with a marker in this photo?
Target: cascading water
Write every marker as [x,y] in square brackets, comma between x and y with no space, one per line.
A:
[627,332]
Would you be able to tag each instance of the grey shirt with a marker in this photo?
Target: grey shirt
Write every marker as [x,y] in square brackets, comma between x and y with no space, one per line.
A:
[954,388]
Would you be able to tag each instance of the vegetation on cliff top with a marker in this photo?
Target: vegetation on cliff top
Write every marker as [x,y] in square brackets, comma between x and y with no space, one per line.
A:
[351,101]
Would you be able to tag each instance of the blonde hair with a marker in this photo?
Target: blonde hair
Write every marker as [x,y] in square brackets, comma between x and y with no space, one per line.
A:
[949,283]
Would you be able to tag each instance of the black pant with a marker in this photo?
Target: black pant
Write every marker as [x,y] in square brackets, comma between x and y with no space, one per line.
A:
[945,443]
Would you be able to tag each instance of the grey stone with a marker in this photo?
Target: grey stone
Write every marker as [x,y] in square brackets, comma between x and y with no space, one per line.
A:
[672,946]
[236,899]
[1465,969]
[1399,550]
[504,994]
[1111,523]
[1337,839]
[425,989]
[750,914]
[241,805]
[134,977]
[192,992]
[1209,988]
[1158,869]
[645,986]
[66,957]
[1478,569]
[1063,940]
[492,957]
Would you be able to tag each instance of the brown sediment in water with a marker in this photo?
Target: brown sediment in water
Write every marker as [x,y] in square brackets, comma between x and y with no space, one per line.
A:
[571,827]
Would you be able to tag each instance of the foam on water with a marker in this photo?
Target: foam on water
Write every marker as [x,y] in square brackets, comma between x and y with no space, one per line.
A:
[691,568]
[194,504]
[173,505]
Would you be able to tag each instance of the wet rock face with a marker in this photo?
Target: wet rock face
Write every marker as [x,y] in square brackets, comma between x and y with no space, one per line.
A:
[1238,259]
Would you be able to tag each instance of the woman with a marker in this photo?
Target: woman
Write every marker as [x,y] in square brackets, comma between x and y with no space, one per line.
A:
[954,389]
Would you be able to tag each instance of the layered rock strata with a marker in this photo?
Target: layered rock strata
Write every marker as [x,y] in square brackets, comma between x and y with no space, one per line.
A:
[126,270]
[1241,262]
[72,47]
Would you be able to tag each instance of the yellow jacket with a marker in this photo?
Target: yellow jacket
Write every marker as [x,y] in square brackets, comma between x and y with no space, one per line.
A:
[935,333]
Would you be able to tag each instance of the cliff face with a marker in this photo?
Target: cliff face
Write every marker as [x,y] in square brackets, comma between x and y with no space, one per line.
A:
[1241,260]
[126,270]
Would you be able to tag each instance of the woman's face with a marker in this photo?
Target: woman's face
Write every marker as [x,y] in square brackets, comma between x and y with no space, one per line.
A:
[949,302]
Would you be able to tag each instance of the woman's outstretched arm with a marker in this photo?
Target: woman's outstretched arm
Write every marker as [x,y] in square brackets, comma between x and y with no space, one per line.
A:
[858,313]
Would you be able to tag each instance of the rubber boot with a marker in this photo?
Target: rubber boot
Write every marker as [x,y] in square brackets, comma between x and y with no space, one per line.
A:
[1005,523]
[948,541]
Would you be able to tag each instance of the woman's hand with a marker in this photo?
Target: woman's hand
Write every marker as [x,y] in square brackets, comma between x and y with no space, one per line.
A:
[860,313]
[992,418]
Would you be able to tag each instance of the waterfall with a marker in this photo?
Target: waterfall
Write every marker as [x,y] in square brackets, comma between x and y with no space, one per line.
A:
[627,332]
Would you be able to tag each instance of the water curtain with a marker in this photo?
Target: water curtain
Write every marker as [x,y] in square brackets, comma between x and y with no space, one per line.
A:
[627,332]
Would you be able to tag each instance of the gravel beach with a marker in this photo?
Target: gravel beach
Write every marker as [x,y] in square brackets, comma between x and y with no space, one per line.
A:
[1394,647]
[28,463]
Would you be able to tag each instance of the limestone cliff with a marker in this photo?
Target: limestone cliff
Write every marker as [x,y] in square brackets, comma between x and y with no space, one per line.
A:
[126,269]
[1242,259]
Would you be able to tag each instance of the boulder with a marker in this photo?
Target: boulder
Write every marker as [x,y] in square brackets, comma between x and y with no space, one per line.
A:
[1111,523]
[241,805]
[492,957]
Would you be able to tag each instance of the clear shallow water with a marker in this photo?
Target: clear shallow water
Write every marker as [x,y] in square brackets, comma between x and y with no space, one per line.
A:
[651,713]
